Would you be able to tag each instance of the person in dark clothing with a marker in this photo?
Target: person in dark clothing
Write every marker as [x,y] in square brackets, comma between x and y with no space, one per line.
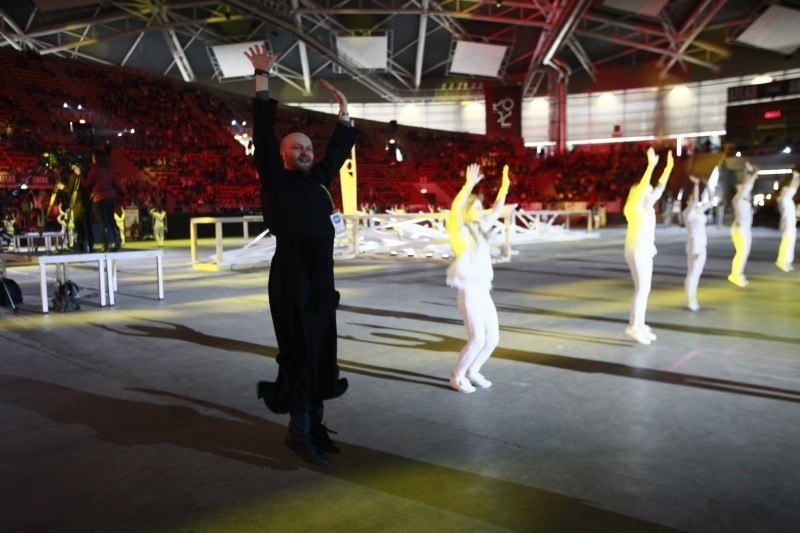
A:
[299,212]
[104,185]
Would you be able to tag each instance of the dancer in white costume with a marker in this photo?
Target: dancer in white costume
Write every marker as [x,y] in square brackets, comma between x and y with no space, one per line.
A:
[640,245]
[742,227]
[694,219]
[788,211]
[159,224]
[471,273]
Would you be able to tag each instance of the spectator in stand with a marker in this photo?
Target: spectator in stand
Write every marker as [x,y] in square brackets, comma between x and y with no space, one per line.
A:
[299,211]
[788,224]
[471,273]
[742,227]
[640,245]
[104,185]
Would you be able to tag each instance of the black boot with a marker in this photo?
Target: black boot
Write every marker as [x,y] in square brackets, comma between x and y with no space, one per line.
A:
[321,439]
[307,451]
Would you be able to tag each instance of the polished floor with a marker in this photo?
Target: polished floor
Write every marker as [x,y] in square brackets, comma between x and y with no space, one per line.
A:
[143,416]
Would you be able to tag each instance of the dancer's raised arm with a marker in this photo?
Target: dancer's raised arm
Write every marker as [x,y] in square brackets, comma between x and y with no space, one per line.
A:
[499,201]
[455,220]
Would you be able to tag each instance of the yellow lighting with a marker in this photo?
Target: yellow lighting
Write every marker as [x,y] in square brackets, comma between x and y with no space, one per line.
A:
[356,269]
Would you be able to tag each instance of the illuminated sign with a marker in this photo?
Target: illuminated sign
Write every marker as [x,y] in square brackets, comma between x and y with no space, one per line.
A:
[772,113]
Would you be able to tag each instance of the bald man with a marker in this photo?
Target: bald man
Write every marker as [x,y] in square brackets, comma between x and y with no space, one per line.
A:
[299,211]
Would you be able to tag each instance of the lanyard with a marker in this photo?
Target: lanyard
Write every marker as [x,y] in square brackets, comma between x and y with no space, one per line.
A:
[333,206]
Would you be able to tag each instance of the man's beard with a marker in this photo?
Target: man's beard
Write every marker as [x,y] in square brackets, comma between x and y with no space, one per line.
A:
[302,166]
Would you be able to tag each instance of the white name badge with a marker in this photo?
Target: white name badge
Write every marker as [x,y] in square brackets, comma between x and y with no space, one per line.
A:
[338,222]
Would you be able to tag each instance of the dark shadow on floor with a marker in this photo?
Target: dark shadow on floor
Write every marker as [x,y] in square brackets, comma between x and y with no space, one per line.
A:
[552,333]
[242,437]
[179,332]
[699,330]
[589,366]
[396,313]
[407,338]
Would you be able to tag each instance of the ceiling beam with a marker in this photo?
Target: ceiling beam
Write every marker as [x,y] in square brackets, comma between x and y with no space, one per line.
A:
[422,33]
[20,35]
[259,10]
[563,25]
[302,49]
[671,34]
[691,31]
[175,47]
[583,57]
[656,47]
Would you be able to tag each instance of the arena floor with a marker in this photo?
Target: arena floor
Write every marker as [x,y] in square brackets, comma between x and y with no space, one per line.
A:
[144,417]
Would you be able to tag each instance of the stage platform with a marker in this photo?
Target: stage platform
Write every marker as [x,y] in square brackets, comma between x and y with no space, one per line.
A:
[143,416]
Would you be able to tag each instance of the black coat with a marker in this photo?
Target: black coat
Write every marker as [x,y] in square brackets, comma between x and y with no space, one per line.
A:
[302,296]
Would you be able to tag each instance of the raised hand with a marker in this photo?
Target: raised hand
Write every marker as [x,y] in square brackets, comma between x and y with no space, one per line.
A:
[652,158]
[261,58]
[474,175]
[336,94]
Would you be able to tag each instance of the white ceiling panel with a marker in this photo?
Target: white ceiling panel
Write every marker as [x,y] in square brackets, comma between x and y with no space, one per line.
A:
[477,59]
[776,30]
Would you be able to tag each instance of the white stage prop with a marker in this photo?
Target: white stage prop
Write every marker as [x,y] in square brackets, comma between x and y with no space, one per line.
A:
[398,235]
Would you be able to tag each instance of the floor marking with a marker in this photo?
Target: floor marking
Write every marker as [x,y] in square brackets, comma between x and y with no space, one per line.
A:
[688,357]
